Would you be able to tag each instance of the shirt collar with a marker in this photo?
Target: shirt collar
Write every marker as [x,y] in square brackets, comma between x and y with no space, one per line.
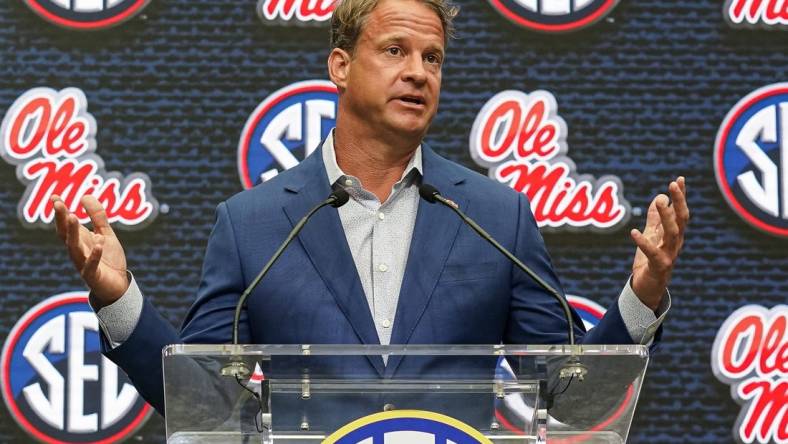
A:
[335,173]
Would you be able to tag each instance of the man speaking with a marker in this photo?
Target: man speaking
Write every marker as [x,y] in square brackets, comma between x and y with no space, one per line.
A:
[387,267]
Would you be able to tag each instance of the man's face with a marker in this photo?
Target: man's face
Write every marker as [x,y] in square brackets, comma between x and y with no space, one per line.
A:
[394,75]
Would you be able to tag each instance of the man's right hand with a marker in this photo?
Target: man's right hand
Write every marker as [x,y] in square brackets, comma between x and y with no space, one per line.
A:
[97,254]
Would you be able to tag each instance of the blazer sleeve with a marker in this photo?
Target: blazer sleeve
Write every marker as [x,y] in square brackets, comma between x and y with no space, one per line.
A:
[535,316]
[209,320]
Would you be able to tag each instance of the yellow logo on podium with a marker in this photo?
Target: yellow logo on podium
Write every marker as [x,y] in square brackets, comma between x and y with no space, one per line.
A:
[407,427]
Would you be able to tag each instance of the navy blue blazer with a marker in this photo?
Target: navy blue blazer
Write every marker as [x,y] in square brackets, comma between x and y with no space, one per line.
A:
[457,289]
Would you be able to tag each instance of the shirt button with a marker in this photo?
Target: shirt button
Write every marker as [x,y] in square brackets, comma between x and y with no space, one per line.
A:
[383,267]
[348,182]
[381,216]
[386,323]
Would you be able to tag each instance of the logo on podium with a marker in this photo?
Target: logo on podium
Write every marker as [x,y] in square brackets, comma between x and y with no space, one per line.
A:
[285,128]
[407,427]
[57,385]
[751,159]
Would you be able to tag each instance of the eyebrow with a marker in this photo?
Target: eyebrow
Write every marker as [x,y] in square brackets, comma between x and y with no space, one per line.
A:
[397,38]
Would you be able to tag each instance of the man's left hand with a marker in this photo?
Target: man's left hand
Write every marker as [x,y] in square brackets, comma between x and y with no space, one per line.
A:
[659,244]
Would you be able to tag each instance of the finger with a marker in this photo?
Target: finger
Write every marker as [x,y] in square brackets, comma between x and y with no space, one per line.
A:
[89,271]
[97,214]
[679,200]
[655,256]
[670,227]
[61,212]
[652,216]
[73,242]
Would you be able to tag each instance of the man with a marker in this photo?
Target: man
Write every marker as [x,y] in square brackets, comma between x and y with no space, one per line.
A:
[387,267]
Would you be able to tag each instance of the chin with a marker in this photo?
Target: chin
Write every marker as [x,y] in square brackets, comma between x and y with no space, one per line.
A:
[410,126]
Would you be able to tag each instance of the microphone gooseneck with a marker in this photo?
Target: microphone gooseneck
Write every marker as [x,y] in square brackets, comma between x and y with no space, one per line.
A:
[336,199]
[432,195]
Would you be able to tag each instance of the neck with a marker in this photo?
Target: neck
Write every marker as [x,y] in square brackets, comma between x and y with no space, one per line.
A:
[377,163]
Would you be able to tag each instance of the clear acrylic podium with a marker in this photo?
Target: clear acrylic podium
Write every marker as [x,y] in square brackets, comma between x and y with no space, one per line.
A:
[304,393]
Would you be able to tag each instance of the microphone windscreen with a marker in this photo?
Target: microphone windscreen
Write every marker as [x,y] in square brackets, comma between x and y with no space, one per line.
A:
[428,192]
[340,197]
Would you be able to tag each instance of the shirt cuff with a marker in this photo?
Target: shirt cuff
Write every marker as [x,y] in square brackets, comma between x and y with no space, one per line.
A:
[119,319]
[642,323]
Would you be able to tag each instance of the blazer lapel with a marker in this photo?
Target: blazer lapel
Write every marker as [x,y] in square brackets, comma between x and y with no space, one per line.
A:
[324,241]
[434,233]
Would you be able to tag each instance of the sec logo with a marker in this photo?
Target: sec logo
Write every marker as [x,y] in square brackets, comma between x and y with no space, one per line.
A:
[288,124]
[514,414]
[590,312]
[87,14]
[554,15]
[751,159]
[407,427]
[55,382]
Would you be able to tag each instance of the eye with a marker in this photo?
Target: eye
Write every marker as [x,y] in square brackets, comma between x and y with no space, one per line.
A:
[393,50]
[433,59]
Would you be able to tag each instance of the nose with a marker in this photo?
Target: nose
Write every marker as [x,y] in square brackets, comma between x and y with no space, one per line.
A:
[414,70]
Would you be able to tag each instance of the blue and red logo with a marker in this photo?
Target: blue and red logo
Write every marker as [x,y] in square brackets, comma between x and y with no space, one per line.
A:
[287,126]
[590,312]
[57,385]
[513,413]
[554,15]
[751,159]
[87,14]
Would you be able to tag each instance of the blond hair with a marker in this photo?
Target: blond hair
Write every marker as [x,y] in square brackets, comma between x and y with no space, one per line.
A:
[350,16]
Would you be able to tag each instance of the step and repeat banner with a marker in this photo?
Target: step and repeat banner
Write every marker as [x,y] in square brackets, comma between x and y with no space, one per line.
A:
[162,109]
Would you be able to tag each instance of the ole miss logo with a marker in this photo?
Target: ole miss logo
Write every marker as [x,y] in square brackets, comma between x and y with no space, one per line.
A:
[51,138]
[554,15]
[55,382]
[295,11]
[86,14]
[521,139]
[285,128]
[766,14]
[751,159]
[750,354]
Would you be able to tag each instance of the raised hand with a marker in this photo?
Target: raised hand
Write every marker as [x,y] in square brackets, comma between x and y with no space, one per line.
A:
[659,244]
[97,255]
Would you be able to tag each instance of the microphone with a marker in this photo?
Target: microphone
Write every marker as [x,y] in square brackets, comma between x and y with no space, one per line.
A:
[336,199]
[432,195]
[236,367]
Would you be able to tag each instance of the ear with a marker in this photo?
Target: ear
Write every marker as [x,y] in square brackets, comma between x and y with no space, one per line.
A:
[339,67]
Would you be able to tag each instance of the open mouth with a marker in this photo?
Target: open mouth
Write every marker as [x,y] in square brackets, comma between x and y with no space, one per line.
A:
[412,99]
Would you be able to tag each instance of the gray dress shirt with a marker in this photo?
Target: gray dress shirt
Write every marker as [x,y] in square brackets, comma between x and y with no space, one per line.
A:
[379,236]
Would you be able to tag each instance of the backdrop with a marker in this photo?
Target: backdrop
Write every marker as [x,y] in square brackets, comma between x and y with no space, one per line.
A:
[643,93]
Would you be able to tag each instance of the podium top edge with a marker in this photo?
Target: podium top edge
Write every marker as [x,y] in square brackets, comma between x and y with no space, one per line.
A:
[409,349]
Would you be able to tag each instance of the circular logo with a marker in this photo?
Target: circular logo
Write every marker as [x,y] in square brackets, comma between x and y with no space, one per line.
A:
[407,427]
[513,413]
[87,14]
[590,312]
[57,385]
[751,159]
[288,124]
[554,15]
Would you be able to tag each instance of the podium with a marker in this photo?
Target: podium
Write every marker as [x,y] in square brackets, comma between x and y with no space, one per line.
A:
[342,394]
